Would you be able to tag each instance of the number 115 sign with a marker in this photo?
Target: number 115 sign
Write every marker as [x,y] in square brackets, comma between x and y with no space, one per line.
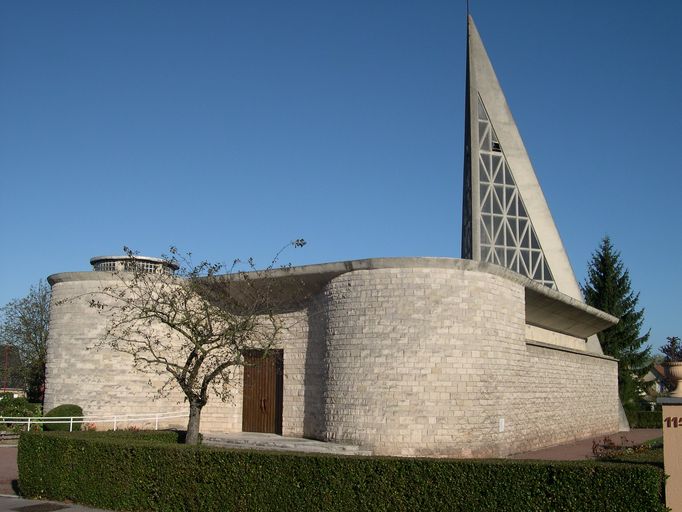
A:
[672,421]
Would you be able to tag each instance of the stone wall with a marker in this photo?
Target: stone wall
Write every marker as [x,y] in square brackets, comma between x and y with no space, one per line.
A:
[561,396]
[403,360]
[101,381]
[534,333]
[414,358]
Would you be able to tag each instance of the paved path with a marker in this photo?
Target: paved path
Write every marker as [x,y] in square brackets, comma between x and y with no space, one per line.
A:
[8,469]
[577,450]
[581,450]
[274,442]
[15,504]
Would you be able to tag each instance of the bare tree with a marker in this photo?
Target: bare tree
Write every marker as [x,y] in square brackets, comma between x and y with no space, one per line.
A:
[193,327]
[24,325]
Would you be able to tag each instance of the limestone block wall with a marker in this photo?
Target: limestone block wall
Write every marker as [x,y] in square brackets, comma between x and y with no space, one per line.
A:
[294,341]
[560,396]
[424,361]
[399,359]
[416,359]
[220,417]
[103,381]
[534,333]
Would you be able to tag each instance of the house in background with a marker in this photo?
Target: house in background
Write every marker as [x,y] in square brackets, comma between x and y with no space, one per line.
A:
[656,384]
[10,376]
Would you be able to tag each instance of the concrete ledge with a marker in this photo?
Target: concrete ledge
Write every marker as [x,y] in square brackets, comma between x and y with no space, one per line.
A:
[668,400]
[545,307]
[571,350]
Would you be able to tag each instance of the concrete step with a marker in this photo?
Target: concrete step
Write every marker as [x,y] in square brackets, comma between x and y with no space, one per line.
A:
[274,442]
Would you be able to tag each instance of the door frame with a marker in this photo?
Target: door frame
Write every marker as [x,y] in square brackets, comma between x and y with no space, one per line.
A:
[257,365]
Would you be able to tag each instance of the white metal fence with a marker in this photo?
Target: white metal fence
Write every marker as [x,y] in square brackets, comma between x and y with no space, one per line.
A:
[115,421]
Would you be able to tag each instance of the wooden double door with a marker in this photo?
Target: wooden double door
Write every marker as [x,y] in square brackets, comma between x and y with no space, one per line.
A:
[263,391]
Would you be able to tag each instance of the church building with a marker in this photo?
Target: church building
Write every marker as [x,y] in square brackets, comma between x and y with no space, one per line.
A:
[487,355]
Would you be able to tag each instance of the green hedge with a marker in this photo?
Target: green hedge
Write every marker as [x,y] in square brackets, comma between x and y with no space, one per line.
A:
[645,419]
[119,473]
[159,436]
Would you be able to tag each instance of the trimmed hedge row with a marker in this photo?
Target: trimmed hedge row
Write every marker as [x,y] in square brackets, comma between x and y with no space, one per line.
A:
[117,472]
[645,419]
[159,436]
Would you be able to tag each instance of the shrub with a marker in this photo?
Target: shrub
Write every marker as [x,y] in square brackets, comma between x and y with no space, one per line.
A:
[653,456]
[64,410]
[645,419]
[111,470]
[17,407]
[650,452]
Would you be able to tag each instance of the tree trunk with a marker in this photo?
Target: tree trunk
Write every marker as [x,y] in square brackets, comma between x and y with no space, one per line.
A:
[192,436]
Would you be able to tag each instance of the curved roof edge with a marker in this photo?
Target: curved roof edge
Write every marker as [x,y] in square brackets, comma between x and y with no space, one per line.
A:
[545,307]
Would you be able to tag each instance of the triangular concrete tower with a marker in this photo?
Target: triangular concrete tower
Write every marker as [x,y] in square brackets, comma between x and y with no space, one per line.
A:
[506,220]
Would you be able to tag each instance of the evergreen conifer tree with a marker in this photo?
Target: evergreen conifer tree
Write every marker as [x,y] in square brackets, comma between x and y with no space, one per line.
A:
[608,287]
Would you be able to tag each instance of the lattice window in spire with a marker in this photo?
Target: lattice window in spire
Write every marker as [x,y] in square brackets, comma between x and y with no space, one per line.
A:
[507,235]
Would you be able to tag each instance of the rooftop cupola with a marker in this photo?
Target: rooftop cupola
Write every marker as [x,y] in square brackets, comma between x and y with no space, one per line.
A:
[130,263]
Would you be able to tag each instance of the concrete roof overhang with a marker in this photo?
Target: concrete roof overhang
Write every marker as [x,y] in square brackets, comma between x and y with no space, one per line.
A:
[545,307]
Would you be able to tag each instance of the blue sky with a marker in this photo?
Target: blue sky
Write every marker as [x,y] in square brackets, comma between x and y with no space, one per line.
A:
[228,128]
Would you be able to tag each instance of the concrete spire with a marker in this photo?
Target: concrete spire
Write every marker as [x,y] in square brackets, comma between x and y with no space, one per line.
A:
[506,220]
